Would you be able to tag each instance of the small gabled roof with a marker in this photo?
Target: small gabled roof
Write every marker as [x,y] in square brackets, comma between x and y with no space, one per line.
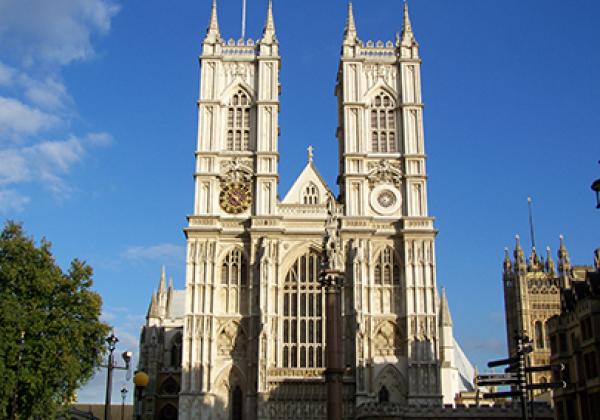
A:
[309,174]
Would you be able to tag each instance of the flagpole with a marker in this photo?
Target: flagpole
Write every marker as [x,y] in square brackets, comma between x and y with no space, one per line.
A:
[243,19]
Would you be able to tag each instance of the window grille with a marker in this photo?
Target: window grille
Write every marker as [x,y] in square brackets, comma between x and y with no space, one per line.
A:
[238,122]
[387,270]
[383,124]
[311,194]
[233,270]
[303,314]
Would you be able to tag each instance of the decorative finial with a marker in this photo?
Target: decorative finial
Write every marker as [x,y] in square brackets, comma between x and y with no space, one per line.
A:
[549,260]
[350,29]
[162,284]
[310,154]
[269,30]
[212,33]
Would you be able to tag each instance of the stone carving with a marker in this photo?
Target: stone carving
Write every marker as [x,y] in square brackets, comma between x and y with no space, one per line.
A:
[236,170]
[377,72]
[334,259]
[388,340]
[243,71]
[384,172]
[232,341]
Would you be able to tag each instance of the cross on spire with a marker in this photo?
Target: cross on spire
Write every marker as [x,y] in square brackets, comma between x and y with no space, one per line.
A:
[310,153]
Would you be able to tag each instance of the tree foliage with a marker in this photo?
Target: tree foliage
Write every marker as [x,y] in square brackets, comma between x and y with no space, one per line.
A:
[59,316]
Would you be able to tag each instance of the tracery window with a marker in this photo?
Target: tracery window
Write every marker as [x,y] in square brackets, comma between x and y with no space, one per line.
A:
[383,124]
[233,269]
[303,300]
[238,122]
[387,270]
[311,194]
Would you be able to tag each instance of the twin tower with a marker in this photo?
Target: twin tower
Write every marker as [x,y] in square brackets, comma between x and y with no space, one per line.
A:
[254,323]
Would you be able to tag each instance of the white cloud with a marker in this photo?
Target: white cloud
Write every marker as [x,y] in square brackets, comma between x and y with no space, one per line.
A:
[12,201]
[6,74]
[154,252]
[16,118]
[47,161]
[53,32]
[37,39]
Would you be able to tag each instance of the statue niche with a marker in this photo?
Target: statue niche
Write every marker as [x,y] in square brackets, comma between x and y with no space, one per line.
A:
[232,341]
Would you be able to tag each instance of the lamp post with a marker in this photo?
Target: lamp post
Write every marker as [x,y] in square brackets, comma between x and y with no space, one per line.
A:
[15,402]
[140,381]
[123,396]
[596,188]
[112,341]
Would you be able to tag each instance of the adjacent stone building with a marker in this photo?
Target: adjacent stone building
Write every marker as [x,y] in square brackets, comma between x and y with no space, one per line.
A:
[532,296]
[575,342]
[250,325]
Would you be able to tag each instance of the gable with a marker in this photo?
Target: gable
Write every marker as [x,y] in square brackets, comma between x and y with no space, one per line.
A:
[309,188]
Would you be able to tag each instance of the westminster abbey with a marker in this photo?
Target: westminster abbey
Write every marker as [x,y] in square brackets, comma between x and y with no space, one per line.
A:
[246,339]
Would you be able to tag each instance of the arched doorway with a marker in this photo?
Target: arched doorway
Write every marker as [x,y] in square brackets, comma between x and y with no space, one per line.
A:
[237,404]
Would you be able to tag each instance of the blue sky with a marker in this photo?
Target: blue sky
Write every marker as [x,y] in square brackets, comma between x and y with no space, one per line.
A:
[98,129]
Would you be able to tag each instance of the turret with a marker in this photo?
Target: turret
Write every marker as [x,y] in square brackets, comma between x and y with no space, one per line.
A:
[269,36]
[449,371]
[564,262]
[520,266]
[350,35]
[213,35]
[507,262]
[534,263]
[550,268]
[409,47]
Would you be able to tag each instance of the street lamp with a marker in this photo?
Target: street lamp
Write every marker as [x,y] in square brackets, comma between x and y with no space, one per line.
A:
[123,396]
[140,381]
[596,188]
[112,341]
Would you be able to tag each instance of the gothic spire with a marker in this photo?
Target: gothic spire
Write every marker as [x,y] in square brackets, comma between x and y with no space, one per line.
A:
[534,261]
[350,35]
[269,30]
[549,261]
[445,318]
[519,254]
[212,33]
[162,285]
[564,262]
[408,37]
[507,261]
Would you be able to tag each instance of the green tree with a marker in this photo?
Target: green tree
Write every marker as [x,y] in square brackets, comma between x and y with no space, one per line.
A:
[58,316]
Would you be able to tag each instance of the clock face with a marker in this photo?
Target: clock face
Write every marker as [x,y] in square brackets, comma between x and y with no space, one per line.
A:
[235,198]
[386,199]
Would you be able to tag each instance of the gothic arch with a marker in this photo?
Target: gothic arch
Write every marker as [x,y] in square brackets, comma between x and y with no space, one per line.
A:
[296,252]
[393,380]
[175,349]
[236,85]
[229,379]
[223,252]
[309,194]
[383,263]
[379,87]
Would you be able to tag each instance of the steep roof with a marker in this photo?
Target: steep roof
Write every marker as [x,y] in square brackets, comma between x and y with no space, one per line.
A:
[309,175]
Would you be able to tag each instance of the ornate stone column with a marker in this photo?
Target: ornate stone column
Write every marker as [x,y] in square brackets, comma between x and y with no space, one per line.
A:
[332,277]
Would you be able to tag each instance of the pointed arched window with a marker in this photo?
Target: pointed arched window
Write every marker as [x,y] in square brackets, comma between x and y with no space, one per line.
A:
[383,124]
[238,122]
[237,404]
[310,194]
[176,351]
[233,269]
[303,314]
[387,270]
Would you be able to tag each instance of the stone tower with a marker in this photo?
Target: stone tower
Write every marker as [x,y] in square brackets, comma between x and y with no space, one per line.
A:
[383,189]
[532,296]
[254,322]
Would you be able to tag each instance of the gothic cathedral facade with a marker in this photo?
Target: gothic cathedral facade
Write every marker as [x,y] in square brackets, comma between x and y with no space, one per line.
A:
[253,329]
